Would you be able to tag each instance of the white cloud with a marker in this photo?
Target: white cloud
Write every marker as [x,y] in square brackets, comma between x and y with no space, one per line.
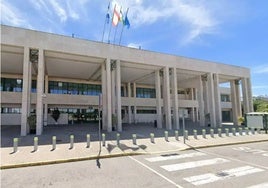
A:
[134,45]
[195,18]
[59,10]
[12,16]
[260,69]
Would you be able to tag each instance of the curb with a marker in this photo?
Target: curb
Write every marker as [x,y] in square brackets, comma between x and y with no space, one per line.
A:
[67,160]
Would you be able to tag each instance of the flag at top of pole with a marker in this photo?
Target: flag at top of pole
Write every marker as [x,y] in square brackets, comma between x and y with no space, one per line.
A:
[116,16]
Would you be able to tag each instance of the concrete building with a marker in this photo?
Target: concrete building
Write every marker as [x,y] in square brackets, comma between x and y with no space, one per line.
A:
[41,72]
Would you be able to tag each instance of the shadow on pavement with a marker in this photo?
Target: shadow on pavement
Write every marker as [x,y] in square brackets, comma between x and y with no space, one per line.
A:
[63,132]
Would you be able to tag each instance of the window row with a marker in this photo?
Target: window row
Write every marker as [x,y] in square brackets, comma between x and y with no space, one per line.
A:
[14,85]
[73,88]
[8,110]
[145,93]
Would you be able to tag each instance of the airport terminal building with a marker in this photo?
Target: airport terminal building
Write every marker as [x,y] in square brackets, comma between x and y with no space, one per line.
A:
[43,72]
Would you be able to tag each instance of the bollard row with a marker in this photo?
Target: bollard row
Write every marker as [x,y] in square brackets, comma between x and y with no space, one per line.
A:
[247,131]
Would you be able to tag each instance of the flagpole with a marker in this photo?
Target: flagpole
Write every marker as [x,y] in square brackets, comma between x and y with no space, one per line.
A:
[122,29]
[111,26]
[103,29]
[107,17]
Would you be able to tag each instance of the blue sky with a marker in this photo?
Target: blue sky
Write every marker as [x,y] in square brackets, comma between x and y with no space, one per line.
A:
[231,32]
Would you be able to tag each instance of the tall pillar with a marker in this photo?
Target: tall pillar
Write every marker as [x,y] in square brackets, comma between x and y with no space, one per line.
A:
[158,99]
[200,96]
[45,101]
[129,106]
[211,101]
[238,98]
[40,92]
[245,95]
[175,99]
[234,102]
[218,113]
[135,107]
[113,85]
[104,97]
[250,99]
[167,106]
[108,95]
[118,96]
[26,92]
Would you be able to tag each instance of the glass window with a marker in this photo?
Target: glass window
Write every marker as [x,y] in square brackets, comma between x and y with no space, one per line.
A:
[7,110]
[11,84]
[225,98]
[145,92]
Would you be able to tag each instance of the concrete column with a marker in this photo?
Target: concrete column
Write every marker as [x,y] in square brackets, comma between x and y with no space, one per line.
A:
[233,100]
[40,92]
[167,105]
[175,99]
[238,98]
[26,92]
[45,101]
[108,95]
[129,106]
[200,96]
[218,113]
[118,95]
[211,101]
[135,114]
[135,107]
[158,99]
[104,96]
[250,99]
[113,88]
[245,95]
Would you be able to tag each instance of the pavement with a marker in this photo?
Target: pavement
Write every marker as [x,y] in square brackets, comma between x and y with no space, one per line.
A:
[45,154]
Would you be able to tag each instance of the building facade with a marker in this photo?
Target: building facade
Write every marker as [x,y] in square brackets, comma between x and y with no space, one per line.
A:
[41,72]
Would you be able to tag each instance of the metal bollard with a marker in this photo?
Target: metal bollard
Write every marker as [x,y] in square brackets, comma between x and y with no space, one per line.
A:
[252,130]
[166,136]
[219,132]
[212,133]
[88,140]
[240,131]
[134,138]
[204,133]
[227,132]
[152,137]
[234,131]
[35,143]
[15,145]
[195,134]
[177,135]
[259,131]
[247,132]
[118,139]
[71,141]
[53,142]
[103,139]
[186,134]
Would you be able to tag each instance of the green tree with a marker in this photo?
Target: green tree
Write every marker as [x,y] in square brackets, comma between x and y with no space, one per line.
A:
[260,105]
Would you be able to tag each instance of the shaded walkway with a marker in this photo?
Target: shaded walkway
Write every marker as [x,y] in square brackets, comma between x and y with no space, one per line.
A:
[63,132]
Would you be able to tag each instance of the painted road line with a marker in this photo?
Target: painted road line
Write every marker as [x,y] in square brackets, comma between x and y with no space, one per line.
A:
[183,166]
[171,157]
[157,173]
[226,174]
[262,185]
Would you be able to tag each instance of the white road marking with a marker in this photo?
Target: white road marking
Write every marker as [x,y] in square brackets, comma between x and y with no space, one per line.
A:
[165,158]
[262,185]
[183,166]
[235,172]
[234,159]
[162,176]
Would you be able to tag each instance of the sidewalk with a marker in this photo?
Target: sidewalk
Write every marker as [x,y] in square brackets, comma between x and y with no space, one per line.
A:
[25,156]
